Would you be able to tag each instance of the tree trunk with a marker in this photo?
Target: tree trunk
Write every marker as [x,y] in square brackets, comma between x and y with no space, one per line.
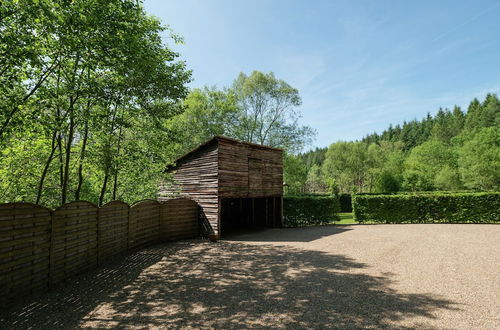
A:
[47,165]
[61,161]
[16,108]
[103,188]
[82,158]
[64,188]
[115,184]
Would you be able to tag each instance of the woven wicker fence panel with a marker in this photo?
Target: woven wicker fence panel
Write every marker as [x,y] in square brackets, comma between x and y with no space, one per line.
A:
[24,248]
[74,240]
[112,229]
[179,219]
[144,223]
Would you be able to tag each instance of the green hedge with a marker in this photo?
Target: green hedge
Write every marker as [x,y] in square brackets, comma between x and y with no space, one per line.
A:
[428,208]
[309,210]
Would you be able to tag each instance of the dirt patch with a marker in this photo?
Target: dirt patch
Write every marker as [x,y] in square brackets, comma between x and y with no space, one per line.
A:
[383,276]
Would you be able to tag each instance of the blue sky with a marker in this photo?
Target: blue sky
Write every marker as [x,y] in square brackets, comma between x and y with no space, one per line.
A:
[359,65]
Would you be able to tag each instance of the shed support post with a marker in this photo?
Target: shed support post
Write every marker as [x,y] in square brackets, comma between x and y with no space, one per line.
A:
[267,212]
[281,213]
[253,212]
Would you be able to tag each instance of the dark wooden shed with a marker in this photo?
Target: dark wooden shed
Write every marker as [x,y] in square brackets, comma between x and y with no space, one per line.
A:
[237,184]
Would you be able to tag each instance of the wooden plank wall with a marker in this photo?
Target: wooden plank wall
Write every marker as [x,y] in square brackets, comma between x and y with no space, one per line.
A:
[225,168]
[113,229]
[196,178]
[24,248]
[144,225]
[247,170]
[183,219]
[73,240]
[40,247]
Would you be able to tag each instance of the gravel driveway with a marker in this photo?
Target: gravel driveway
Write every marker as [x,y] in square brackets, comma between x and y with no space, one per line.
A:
[371,276]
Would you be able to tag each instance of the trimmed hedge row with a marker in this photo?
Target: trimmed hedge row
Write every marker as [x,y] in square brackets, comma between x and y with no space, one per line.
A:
[428,208]
[310,210]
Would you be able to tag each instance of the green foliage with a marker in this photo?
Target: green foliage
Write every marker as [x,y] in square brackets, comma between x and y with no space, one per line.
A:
[258,108]
[448,178]
[425,162]
[428,208]
[358,167]
[480,160]
[387,182]
[310,210]
[314,157]
[207,112]
[346,162]
[294,174]
[86,87]
[315,181]
[434,153]
[268,112]
[482,115]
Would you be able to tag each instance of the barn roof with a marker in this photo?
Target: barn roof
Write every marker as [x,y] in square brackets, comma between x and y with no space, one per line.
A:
[211,142]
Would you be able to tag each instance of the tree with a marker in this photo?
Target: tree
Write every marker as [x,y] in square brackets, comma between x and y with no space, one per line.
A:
[89,76]
[294,174]
[479,160]
[258,108]
[29,54]
[207,112]
[448,124]
[425,162]
[345,162]
[268,112]
[315,181]
[482,115]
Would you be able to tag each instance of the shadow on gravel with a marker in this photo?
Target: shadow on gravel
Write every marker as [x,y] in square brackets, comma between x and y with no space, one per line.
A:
[301,234]
[224,285]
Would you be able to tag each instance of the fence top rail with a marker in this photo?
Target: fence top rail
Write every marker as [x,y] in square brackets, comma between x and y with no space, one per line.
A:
[147,201]
[144,202]
[67,205]
[23,205]
[116,202]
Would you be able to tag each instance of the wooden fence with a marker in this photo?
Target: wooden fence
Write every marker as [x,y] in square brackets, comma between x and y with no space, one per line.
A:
[40,247]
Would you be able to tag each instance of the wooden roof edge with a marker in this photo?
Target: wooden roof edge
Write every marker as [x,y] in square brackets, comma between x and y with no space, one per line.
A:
[210,142]
[221,137]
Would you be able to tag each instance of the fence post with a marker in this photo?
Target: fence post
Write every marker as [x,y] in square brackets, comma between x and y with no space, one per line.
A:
[128,228]
[98,238]
[51,250]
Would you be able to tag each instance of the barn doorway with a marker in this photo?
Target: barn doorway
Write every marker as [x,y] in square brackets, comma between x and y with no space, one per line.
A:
[243,214]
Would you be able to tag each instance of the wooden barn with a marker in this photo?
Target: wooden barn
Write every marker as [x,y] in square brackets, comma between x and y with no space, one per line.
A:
[237,184]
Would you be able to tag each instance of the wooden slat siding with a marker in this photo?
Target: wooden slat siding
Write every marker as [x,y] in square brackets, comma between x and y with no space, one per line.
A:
[196,177]
[112,229]
[145,223]
[74,241]
[39,247]
[24,249]
[247,170]
[179,219]
[225,168]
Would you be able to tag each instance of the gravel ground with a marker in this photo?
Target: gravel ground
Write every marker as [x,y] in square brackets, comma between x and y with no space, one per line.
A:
[379,276]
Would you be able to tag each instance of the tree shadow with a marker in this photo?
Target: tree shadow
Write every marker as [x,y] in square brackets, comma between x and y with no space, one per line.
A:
[226,285]
[299,234]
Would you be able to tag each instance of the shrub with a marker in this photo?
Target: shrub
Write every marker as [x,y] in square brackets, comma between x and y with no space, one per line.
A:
[310,210]
[428,207]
